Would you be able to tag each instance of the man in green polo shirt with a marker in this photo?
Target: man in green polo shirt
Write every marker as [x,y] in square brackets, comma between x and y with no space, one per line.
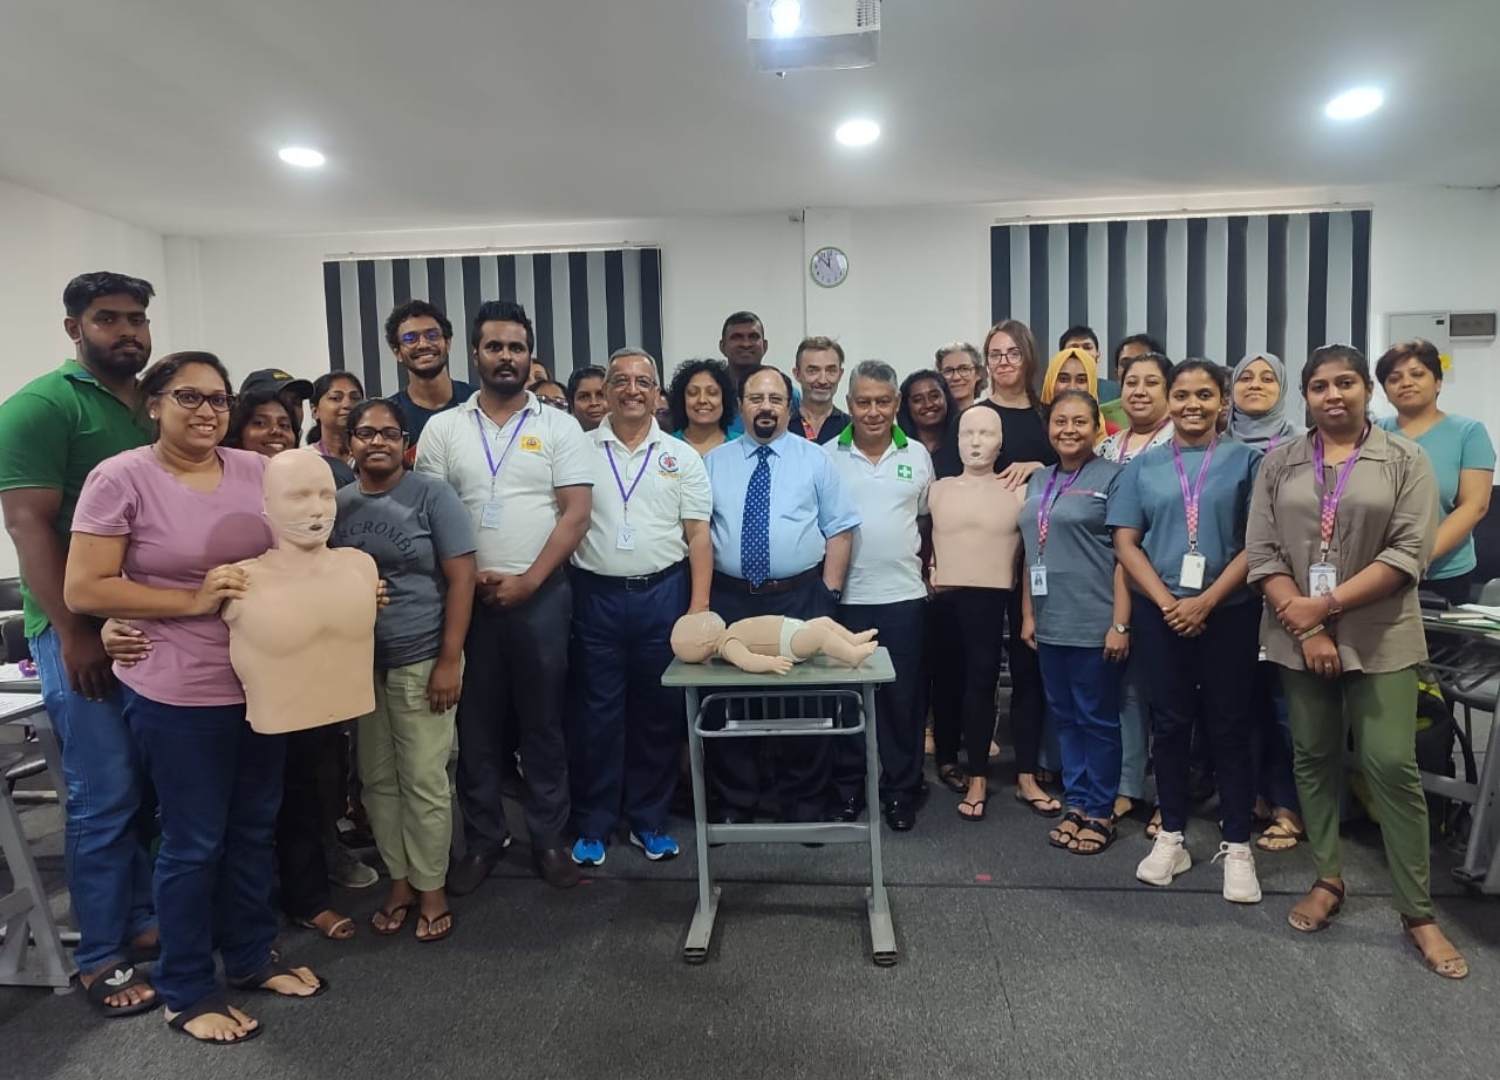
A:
[53,431]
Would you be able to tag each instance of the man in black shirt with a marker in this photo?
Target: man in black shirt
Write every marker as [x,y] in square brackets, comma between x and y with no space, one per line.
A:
[819,369]
[419,335]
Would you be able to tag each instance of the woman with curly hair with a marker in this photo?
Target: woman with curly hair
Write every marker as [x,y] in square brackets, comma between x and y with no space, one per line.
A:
[701,399]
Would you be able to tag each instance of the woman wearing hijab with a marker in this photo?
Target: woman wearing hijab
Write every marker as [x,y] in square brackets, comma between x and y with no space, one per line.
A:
[1075,369]
[1257,414]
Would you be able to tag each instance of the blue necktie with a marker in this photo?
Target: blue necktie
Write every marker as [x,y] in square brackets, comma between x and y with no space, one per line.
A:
[755,526]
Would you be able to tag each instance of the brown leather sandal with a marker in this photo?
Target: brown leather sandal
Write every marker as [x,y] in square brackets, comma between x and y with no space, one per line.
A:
[1314,926]
[1452,966]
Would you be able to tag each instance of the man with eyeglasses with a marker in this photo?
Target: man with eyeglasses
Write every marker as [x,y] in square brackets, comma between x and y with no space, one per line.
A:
[419,335]
[53,431]
[645,561]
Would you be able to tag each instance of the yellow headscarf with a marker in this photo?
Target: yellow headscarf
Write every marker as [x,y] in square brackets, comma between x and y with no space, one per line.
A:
[1090,368]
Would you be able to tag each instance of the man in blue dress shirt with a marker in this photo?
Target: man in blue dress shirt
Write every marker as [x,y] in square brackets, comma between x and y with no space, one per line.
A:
[782,531]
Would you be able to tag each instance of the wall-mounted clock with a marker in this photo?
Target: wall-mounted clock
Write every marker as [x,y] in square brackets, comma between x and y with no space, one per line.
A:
[829,267]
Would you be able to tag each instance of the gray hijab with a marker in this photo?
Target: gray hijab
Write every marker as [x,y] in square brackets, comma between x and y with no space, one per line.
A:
[1258,431]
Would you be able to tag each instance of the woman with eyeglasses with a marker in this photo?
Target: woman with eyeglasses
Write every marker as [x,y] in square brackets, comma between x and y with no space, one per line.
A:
[1462,456]
[962,369]
[1179,514]
[701,400]
[334,397]
[1341,528]
[421,538]
[157,535]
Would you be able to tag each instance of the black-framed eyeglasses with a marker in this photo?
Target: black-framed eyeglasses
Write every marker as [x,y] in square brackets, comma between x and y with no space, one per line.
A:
[431,336]
[191,399]
[958,369]
[370,434]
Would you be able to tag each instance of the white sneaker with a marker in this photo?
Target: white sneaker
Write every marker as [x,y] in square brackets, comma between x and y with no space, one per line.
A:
[1168,858]
[1241,886]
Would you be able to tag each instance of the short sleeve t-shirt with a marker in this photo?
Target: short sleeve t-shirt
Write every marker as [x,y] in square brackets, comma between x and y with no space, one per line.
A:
[53,431]
[1148,497]
[408,531]
[1453,444]
[417,415]
[1078,609]
[175,537]
[1024,439]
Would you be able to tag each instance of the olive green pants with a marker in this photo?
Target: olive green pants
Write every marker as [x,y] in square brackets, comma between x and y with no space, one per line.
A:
[403,766]
[1381,710]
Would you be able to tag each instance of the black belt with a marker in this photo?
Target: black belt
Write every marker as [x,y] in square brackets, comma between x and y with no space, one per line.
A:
[770,587]
[631,584]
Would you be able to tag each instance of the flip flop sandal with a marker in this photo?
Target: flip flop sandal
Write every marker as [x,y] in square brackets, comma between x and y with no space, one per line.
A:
[1447,967]
[1077,821]
[395,919]
[978,809]
[1039,806]
[1327,921]
[1102,836]
[211,1006]
[270,971]
[429,938]
[332,933]
[952,778]
[120,978]
[1279,831]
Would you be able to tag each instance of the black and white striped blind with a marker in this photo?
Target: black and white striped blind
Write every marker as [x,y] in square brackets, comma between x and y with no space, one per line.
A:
[1215,287]
[583,304]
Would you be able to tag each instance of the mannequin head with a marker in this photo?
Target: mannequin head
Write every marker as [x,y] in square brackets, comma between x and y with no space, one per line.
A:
[696,637]
[299,499]
[979,438]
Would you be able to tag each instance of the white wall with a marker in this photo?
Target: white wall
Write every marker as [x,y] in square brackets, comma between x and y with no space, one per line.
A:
[45,243]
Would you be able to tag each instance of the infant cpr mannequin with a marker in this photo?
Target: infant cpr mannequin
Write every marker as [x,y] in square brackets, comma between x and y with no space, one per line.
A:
[768,644]
[302,639]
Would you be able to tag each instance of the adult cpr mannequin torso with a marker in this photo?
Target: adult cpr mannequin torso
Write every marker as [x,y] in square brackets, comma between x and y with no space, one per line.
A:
[302,640]
[975,531]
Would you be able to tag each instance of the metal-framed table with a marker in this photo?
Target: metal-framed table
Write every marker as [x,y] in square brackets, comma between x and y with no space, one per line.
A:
[1466,656]
[25,912]
[761,706]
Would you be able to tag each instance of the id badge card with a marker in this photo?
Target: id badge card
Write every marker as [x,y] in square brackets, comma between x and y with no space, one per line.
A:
[1322,579]
[625,538]
[489,516]
[1194,566]
[1038,580]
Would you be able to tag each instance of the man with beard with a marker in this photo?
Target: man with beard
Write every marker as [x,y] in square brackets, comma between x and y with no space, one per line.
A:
[53,431]
[819,368]
[525,472]
[791,562]
[419,335]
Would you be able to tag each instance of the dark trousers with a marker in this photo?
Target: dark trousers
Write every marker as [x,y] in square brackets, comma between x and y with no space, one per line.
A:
[966,666]
[515,674]
[900,628]
[1455,590]
[1271,740]
[1209,675]
[798,778]
[625,730]
[311,801]
[1028,701]
[219,787]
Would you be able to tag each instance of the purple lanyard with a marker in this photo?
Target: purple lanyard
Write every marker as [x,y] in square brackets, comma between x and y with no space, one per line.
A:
[619,483]
[1329,500]
[496,466]
[1190,499]
[1275,441]
[1125,440]
[1044,509]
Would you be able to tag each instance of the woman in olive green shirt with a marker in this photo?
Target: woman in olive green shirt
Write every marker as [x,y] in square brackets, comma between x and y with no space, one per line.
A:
[1341,529]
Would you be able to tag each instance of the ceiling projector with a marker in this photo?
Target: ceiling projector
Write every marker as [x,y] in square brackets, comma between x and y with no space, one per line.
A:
[802,35]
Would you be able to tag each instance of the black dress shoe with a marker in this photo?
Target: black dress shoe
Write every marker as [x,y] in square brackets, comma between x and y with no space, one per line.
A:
[849,810]
[556,867]
[900,815]
[467,874]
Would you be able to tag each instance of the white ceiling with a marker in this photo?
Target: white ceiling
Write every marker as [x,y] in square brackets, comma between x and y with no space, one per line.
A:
[446,112]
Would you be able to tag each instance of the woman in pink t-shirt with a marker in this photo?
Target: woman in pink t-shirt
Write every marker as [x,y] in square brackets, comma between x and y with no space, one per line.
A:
[156,535]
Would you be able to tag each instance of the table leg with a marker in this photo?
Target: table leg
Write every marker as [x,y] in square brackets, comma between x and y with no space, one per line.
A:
[1482,857]
[26,916]
[700,931]
[882,931]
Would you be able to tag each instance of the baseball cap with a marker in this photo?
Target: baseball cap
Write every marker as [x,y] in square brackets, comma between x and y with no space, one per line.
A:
[276,380]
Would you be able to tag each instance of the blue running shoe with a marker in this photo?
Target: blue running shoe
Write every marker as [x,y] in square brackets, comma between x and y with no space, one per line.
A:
[655,845]
[588,851]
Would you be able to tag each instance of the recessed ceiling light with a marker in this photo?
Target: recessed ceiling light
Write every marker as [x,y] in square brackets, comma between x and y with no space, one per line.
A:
[304,157]
[786,16]
[857,132]
[1353,104]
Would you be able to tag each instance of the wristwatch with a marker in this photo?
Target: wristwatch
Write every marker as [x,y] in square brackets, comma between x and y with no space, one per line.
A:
[1121,628]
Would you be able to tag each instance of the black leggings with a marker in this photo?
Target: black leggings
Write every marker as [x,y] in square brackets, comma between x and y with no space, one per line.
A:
[970,632]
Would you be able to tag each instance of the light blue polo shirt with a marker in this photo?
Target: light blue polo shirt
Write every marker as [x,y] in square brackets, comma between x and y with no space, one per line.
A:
[1453,444]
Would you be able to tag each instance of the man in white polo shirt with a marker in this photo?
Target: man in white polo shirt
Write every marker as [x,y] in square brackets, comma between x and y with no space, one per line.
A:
[886,476]
[525,473]
[645,561]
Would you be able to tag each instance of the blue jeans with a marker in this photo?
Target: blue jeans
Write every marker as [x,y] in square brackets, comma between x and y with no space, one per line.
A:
[1083,695]
[111,814]
[1135,730]
[220,786]
[625,730]
[1271,741]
